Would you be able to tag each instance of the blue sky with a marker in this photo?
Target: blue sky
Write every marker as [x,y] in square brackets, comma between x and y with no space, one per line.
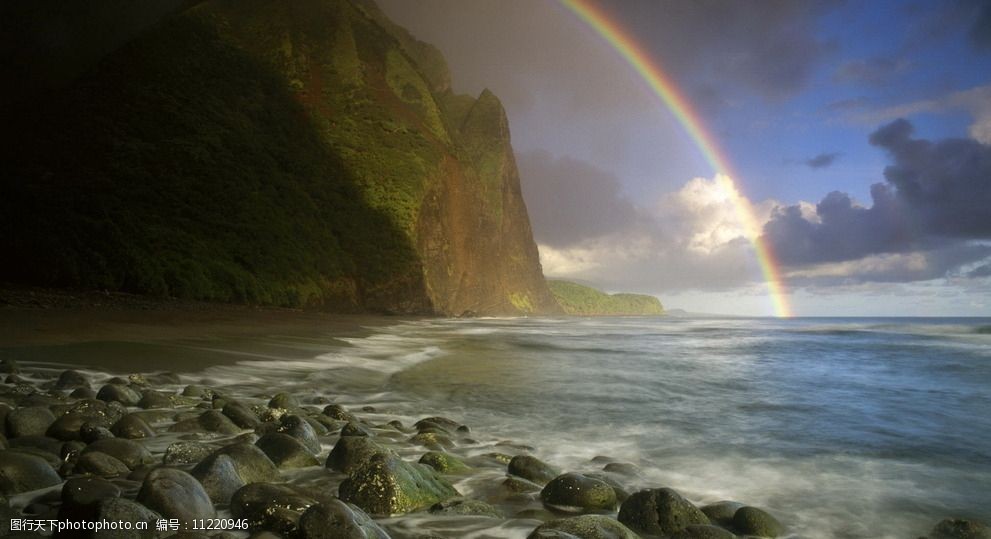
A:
[782,86]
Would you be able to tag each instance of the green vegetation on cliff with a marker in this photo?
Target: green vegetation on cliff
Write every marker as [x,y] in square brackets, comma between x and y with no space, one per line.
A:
[580,300]
[305,153]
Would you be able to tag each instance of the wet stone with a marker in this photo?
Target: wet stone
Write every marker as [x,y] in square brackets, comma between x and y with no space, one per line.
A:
[131,453]
[572,491]
[660,511]
[270,507]
[23,472]
[132,427]
[286,451]
[71,379]
[30,421]
[99,464]
[118,393]
[753,521]
[187,452]
[583,527]
[532,469]
[174,493]
[387,485]
[335,519]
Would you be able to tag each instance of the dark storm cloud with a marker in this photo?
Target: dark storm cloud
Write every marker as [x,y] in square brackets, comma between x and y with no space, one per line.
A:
[937,195]
[570,200]
[873,71]
[980,31]
[822,160]
[765,46]
[768,46]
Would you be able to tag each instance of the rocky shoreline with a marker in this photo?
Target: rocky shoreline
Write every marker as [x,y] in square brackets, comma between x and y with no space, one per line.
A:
[194,460]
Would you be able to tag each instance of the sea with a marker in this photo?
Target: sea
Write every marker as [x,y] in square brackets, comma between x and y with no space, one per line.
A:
[840,427]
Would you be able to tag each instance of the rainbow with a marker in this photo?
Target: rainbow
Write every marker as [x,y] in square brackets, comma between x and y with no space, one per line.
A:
[663,87]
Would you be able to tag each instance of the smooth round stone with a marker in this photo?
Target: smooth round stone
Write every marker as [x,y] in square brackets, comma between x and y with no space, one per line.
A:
[958,528]
[532,469]
[583,527]
[572,491]
[132,427]
[219,478]
[286,451]
[71,379]
[99,464]
[23,472]
[753,521]
[131,453]
[660,511]
[119,393]
[32,421]
[335,519]
[174,493]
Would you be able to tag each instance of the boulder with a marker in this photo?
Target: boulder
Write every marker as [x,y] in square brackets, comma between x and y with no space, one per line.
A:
[752,521]
[71,379]
[532,469]
[131,427]
[335,519]
[702,531]
[463,507]
[299,428]
[722,512]
[958,528]
[386,485]
[99,464]
[659,511]
[583,527]
[31,421]
[155,399]
[286,451]
[350,452]
[576,492]
[208,421]
[174,493]
[119,393]
[124,510]
[251,463]
[443,462]
[131,453]
[82,495]
[104,414]
[338,412]
[22,472]
[283,400]
[184,452]
[241,415]
[219,478]
[270,507]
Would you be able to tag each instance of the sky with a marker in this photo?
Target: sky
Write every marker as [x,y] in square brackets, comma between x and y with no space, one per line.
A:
[859,135]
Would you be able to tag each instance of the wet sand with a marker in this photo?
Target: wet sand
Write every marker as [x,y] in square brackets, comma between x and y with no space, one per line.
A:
[121,333]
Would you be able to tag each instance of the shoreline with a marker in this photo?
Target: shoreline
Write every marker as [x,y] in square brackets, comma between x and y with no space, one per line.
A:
[190,419]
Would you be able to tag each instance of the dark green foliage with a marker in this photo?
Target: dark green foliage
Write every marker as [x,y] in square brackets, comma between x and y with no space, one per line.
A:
[183,166]
[581,300]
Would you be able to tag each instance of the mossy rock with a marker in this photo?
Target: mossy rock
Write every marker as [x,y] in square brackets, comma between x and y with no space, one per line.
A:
[957,528]
[583,527]
[753,521]
[388,485]
[660,511]
[444,462]
[577,492]
[532,469]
